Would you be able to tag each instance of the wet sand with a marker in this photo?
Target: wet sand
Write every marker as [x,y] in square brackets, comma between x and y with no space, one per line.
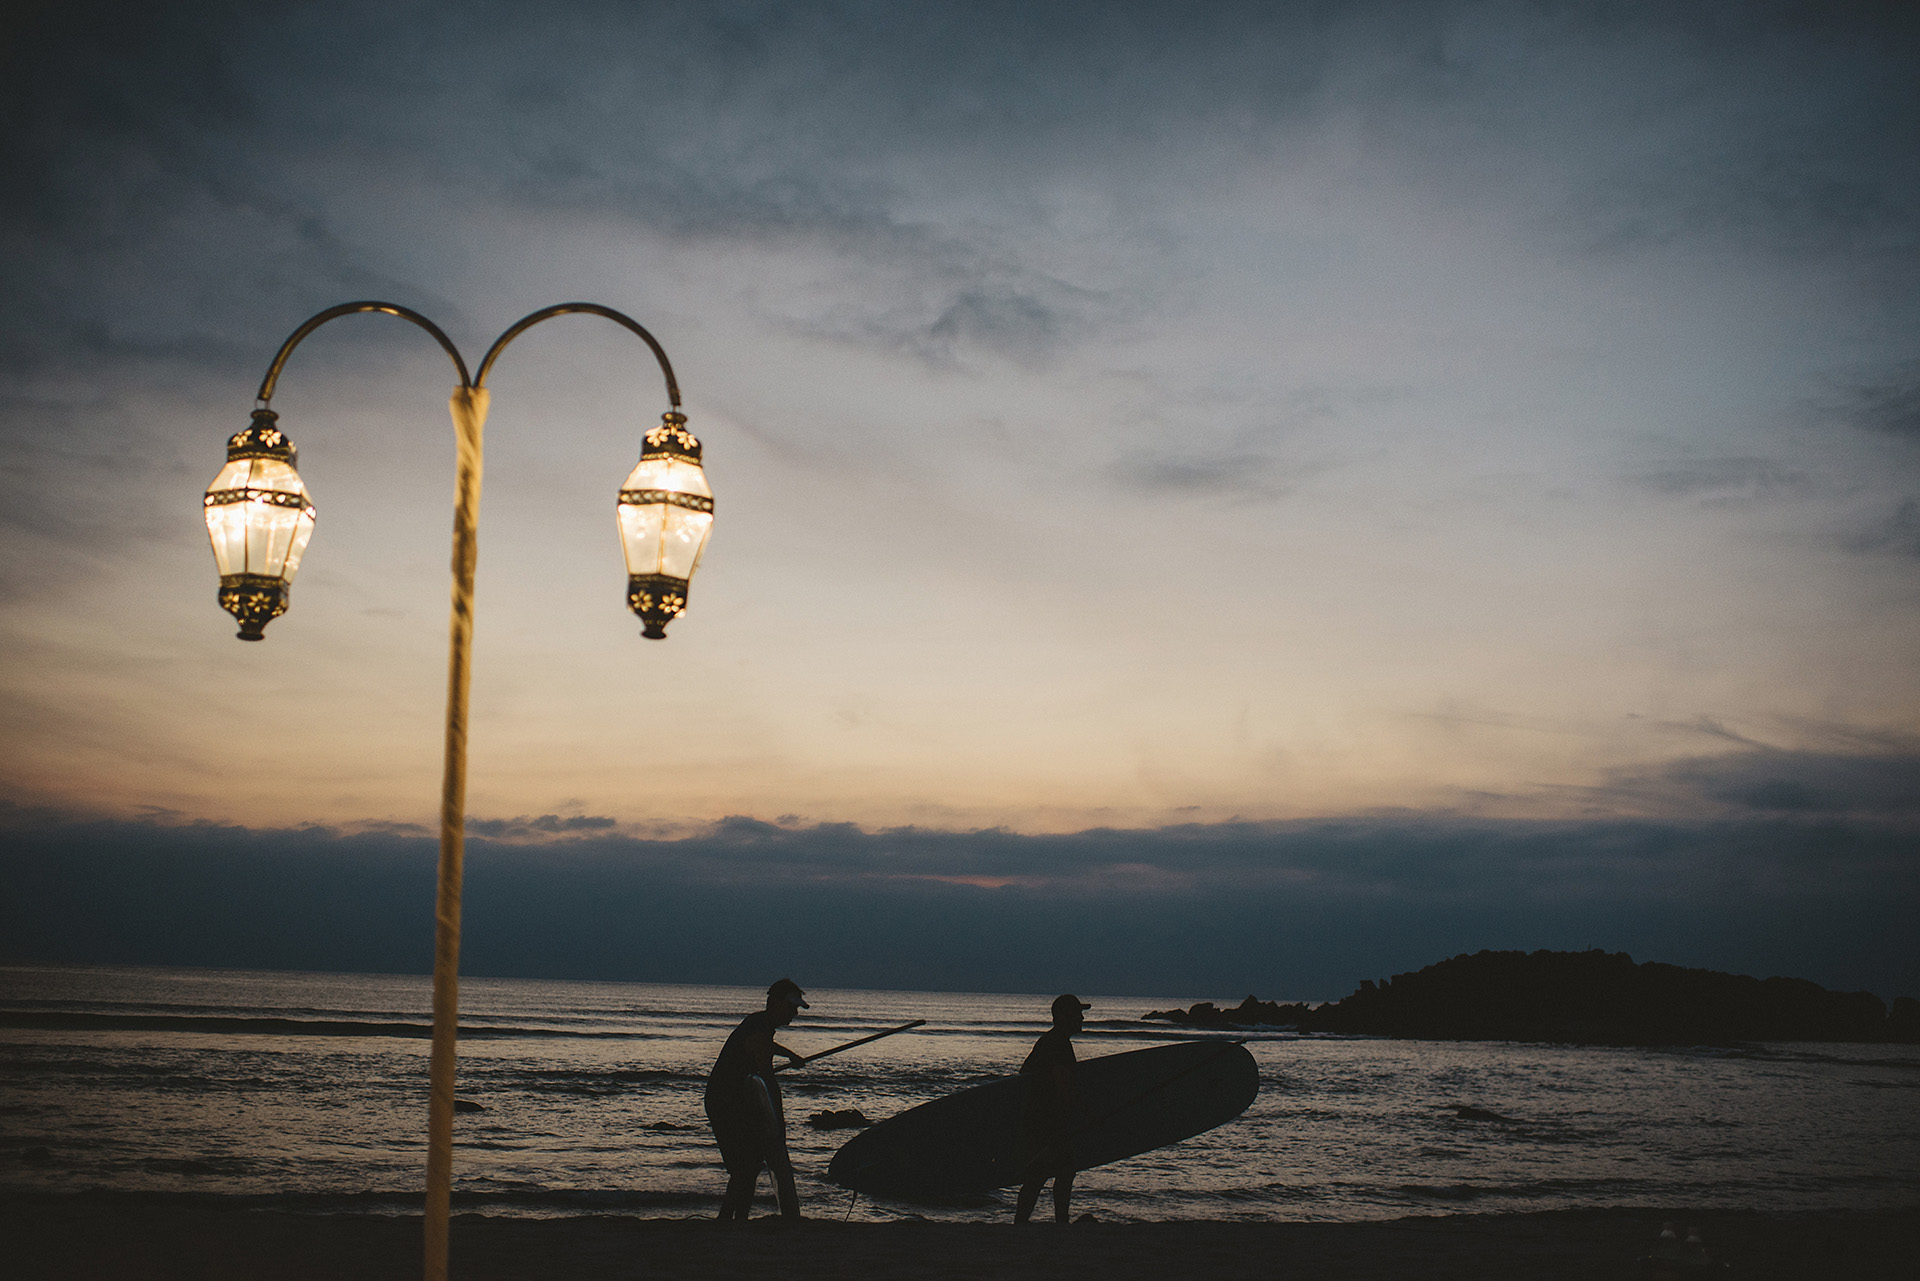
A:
[143,1239]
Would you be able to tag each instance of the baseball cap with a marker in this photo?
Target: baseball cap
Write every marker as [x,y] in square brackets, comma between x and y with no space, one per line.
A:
[1067,1002]
[788,990]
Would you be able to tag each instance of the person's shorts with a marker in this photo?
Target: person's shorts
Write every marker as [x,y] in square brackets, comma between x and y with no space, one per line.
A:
[742,1135]
[1042,1150]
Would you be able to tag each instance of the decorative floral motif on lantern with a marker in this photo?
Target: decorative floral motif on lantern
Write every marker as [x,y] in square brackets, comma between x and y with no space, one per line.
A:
[666,512]
[259,520]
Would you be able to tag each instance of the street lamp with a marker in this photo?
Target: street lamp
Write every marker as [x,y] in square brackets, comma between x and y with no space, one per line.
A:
[259,520]
[666,511]
[259,517]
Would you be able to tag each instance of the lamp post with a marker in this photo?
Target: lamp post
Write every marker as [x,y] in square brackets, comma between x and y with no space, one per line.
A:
[260,519]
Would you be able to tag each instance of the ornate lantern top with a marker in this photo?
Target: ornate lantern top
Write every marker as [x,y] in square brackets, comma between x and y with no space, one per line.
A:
[262,439]
[670,439]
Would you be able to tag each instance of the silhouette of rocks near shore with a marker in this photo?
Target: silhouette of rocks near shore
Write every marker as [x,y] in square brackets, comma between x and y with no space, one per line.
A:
[1595,998]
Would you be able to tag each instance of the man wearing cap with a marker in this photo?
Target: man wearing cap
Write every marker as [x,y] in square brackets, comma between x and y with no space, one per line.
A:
[743,1105]
[1043,1144]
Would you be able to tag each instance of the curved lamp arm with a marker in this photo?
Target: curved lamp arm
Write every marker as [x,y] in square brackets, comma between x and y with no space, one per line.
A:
[589,308]
[348,309]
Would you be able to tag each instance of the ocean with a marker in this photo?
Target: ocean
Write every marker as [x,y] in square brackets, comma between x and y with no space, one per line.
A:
[308,1091]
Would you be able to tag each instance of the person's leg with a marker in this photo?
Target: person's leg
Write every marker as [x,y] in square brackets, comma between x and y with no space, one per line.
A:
[1029,1197]
[1062,1195]
[738,1202]
[740,1153]
[783,1189]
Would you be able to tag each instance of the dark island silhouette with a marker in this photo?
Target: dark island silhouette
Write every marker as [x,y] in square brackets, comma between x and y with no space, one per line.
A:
[1592,998]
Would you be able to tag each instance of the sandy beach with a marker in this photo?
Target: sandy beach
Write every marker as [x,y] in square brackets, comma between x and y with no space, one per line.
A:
[141,1239]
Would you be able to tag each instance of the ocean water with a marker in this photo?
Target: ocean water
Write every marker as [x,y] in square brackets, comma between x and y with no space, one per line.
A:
[309,1090]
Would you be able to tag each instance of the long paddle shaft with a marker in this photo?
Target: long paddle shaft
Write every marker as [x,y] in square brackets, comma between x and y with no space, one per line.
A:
[862,1041]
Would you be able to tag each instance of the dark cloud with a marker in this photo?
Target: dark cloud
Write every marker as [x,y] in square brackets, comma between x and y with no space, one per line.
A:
[1858,775]
[1296,909]
[1897,532]
[1242,475]
[179,173]
[1234,442]
[1806,781]
[966,309]
[544,825]
[1014,323]
[142,224]
[1892,405]
[1724,480]
[1802,153]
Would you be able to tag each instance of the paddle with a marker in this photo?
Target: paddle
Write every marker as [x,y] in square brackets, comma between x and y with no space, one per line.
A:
[851,1044]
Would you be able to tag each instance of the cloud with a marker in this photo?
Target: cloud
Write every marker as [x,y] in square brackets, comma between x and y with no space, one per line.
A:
[544,825]
[1363,857]
[975,185]
[1804,165]
[1891,405]
[1897,532]
[232,132]
[1234,474]
[1721,481]
[1806,782]
[1296,910]
[1854,774]
[949,308]
[1233,439]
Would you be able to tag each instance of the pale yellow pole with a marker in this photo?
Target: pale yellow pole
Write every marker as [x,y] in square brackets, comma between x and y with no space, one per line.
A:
[469,408]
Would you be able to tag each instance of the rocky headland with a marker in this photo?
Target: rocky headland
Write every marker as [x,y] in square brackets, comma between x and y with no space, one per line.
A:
[1595,998]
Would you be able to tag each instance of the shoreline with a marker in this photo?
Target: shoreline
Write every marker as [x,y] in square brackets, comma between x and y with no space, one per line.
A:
[115,1236]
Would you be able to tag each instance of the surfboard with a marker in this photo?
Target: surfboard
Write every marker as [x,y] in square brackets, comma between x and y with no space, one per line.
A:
[1130,1103]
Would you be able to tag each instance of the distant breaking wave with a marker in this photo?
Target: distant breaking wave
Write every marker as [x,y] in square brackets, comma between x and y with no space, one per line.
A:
[73,1021]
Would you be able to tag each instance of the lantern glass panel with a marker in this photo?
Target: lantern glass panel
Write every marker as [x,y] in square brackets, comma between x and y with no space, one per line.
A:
[227,522]
[252,534]
[661,537]
[682,540]
[640,534]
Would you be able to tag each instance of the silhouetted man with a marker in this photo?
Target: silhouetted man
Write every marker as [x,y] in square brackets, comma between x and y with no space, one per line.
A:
[743,1105]
[1043,1145]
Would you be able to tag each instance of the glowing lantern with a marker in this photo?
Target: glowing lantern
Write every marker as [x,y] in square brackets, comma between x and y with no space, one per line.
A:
[666,511]
[259,520]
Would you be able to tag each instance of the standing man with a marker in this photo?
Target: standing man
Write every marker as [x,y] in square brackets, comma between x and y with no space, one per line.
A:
[1043,1144]
[743,1105]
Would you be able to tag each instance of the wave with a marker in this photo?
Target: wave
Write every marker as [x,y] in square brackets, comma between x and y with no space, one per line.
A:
[576,1200]
[289,1023]
[70,1021]
[290,1026]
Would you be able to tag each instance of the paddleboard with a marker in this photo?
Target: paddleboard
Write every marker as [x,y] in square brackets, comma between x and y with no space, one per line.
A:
[1130,1103]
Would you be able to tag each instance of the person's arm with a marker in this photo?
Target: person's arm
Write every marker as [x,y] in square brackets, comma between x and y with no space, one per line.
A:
[781,1049]
[763,1047]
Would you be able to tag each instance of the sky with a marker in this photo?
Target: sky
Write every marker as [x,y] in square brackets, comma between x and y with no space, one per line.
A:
[1207,497]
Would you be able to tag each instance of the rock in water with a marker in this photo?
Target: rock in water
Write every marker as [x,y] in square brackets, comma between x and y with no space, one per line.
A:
[845,1119]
